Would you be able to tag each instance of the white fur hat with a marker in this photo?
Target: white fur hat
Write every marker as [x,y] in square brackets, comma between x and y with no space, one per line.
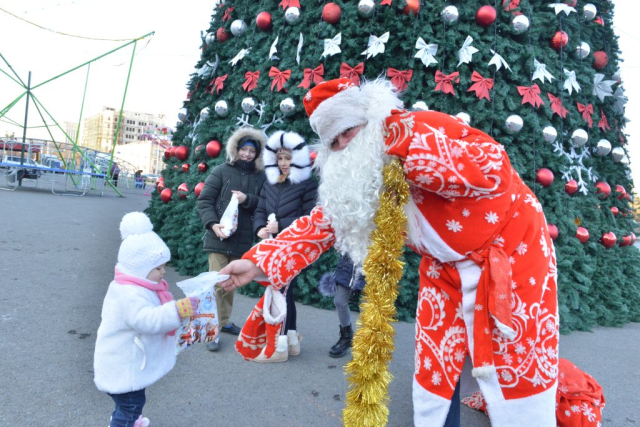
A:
[300,160]
[141,250]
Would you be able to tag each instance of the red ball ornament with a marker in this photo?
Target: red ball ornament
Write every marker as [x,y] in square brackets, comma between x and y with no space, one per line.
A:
[486,16]
[413,6]
[600,60]
[167,153]
[198,150]
[559,40]
[331,13]
[626,241]
[222,35]
[544,177]
[183,190]
[185,167]
[264,21]
[198,189]
[622,193]
[165,195]
[553,231]
[182,153]
[615,211]
[202,167]
[582,234]
[172,151]
[571,187]
[608,240]
[160,185]
[213,148]
[603,189]
[175,167]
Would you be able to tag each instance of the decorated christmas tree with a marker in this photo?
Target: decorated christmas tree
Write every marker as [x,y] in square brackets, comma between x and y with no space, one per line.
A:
[540,77]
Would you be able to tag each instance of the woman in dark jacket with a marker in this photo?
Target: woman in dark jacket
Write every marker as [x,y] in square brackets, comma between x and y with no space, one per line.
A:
[288,194]
[242,174]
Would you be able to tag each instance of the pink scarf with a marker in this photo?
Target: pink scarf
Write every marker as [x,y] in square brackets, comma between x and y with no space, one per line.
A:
[162,288]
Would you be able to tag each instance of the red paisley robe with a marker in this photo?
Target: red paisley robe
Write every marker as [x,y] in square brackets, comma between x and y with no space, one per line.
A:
[487,278]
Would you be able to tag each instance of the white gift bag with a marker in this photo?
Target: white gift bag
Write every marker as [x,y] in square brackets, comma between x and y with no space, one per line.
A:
[230,217]
[203,325]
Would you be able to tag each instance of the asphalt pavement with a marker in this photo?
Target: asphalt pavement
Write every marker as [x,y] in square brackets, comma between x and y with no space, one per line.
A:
[57,256]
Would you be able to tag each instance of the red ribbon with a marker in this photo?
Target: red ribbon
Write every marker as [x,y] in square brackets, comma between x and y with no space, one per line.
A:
[587,112]
[556,106]
[385,2]
[399,78]
[218,83]
[531,95]
[316,75]
[604,123]
[509,5]
[251,80]
[481,86]
[289,3]
[445,82]
[279,78]
[352,74]
[227,13]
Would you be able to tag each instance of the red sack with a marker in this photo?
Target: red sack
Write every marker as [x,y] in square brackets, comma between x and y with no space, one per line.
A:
[579,400]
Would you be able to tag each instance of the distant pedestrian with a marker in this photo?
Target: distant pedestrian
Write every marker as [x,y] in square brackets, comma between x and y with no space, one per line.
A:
[115,173]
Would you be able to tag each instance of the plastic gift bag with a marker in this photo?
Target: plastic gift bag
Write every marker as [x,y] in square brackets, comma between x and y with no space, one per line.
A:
[203,325]
[230,217]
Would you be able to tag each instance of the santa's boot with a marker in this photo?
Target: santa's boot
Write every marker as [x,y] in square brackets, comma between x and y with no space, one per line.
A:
[344,343]
[294,342]
[280,355]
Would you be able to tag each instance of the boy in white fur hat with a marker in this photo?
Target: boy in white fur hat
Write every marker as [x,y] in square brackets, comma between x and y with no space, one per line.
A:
[136,339]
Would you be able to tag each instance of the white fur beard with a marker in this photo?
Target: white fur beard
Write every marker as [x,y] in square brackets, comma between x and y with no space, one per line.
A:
[349,190]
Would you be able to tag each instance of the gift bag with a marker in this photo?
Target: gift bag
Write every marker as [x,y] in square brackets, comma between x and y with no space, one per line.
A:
[230,217]
[203,325]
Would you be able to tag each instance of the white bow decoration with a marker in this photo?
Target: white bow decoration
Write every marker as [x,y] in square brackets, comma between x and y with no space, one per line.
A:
[499,61]
[332,46]
[571,84]
[208,68]
[239,56]
[466,53]
[376,45]
[561,7]
[274,50]
[541,72]
[621,101]
[300,42]
[426,52]
[601,87]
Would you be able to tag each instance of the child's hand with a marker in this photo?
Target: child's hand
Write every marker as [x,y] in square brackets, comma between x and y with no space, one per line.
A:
[187,307]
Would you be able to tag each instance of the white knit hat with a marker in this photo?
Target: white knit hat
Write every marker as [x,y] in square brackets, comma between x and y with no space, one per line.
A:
[141,250]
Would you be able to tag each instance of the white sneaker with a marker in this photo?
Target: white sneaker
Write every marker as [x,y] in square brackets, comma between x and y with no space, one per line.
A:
[280,355]
[294,343]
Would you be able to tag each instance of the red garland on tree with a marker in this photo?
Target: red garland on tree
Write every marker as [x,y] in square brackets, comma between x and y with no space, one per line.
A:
[264,21]
[251,80]
[316,76]
[486,16]
[399,78]
[279,78]
[603,123]
[445,82]
[227,14]
[587,112]
[290,3]
[481,86]
[556,106]
[331,13]
[531,95]
[352,74]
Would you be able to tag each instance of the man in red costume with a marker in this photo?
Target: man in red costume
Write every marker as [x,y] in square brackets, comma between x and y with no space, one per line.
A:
[488,272]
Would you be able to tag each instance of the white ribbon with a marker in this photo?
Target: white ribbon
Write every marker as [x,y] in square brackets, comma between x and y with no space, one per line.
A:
[466,53]
[541,72]
[239,56]
[601,87]
[621,101]
[426,52]
[376,45]
[208,68]
[561,7]
[571,84]
[332,46]
[300,42]
[499,61]
[274,50]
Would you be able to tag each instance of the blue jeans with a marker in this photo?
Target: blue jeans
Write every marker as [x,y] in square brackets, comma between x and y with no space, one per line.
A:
[453,418]
[128,408]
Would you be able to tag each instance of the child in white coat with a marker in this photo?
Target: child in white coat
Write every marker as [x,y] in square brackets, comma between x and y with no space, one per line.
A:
[135,346]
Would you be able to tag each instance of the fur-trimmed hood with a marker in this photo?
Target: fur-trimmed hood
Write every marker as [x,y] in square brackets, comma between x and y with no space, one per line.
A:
[300,157]
[241,135]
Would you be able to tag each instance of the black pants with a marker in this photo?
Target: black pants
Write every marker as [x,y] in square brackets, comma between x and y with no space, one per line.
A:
[290,322]
[128,408]
[453,418]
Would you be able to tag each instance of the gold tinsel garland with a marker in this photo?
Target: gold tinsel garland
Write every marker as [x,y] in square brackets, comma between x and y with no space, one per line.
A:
[368,372]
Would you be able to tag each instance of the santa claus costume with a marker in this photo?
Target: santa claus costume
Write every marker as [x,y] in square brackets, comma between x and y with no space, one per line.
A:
[488,272]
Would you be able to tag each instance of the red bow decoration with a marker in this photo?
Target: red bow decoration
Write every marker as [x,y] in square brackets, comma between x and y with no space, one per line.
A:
[316,75]
[352,74]
[445,82]
[289,3]
[510,4]
[227,13]
[385,2]
[604,123]
[556,106]
[399,78]
[279,78]
[531,95]
[218,84]
[587,112]
[250,80]
[481,86]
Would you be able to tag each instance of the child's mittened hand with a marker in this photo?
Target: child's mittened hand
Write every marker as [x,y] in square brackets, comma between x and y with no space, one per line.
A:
[187,306]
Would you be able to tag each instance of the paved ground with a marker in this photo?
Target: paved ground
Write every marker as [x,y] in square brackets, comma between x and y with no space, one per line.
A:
[56,260]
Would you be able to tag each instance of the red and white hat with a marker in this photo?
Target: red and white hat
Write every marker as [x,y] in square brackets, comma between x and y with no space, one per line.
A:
[333,107]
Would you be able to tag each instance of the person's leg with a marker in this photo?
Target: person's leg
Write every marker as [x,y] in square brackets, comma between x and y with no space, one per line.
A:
[224,299]
[341,301]
[128,408]
[453,418]
[290,322]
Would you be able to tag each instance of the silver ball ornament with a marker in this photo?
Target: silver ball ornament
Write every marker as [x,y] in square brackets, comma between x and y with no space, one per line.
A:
[579,137]
[292,14]
[420,106]
[513,124]
[287,106]
[603,147]
[248,104]
[464,117]
[450,15]
[204,113]
[520,24]
[589,12]
[182,114]
[583,50]
[618,154]
[549,133]
[625,161]
[238,27]
[366,8]
[222,108]
[210,38]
